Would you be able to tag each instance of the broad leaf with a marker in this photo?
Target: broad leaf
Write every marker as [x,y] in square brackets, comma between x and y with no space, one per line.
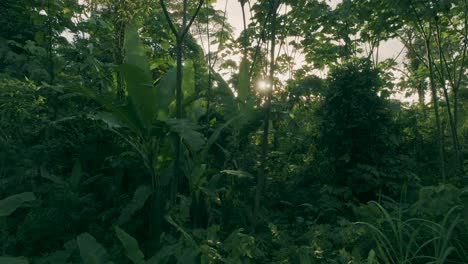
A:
[55,179]
[118,115]
[187,131]
[212,139]
[13,202]
[192,103]
[186,235]
[132,249]
[109,118]
[166,93]
[238,173]
[243,83]
[135,70]
[188,79]
[13,260]
[166,90]
[371,258]
[142,194]
[91,251]
[224,93]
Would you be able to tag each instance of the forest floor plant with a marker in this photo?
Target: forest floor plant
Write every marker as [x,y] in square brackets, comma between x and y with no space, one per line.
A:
[400,238]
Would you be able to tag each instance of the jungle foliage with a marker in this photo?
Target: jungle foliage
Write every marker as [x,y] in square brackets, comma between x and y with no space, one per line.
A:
[146,132]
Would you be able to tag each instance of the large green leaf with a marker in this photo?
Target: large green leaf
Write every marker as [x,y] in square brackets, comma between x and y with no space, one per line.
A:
[186,235]
[55,179]
[188,79]
[243,83]
[166,93]
[132,249]
[91,251]
[119,114]
[139,198]
[187,130]
[192,103]
[135,70]
[196,108]
[212,139]
[222,88]
[13,202]
[166,89]
[13,260]
[239,173]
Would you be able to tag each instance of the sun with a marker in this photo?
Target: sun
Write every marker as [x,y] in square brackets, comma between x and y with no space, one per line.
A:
[263,86]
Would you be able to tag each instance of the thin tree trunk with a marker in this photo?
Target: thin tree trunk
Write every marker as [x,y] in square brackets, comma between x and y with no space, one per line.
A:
[442,78]
[208,93]
[435,102]
[177,177]
[245,27]
[421,99]
[261,179]
[119,35]
[50,44]
[180,36]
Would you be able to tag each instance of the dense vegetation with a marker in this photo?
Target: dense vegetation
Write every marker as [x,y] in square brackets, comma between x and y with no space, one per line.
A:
[139,132]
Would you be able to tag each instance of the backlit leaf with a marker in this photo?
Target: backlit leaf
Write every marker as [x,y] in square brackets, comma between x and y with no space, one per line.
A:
[187,131]
[243,84]
[132,249]
[238,173]
[91,251]
[135,70]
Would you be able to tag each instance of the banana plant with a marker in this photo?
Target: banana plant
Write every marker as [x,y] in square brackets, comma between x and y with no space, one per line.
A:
[152,119]
[148,118]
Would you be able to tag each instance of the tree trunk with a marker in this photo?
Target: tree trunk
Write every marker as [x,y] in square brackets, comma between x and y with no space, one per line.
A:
[421,99]
[442,78]
[435,102]
[261,179]
[177,177]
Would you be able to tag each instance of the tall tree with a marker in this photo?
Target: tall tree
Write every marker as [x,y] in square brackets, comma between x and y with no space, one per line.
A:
[180,34]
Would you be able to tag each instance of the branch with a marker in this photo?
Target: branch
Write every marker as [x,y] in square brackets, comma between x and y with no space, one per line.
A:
[222,31]
[465,44]
[409,45]
[186,29]
[418,20]
[442,55]
[168,18]
[261,40]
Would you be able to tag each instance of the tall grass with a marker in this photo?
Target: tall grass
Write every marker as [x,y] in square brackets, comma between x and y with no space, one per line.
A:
[416,240]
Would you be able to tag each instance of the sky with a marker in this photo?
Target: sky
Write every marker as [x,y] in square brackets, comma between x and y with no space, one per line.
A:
[389,49]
